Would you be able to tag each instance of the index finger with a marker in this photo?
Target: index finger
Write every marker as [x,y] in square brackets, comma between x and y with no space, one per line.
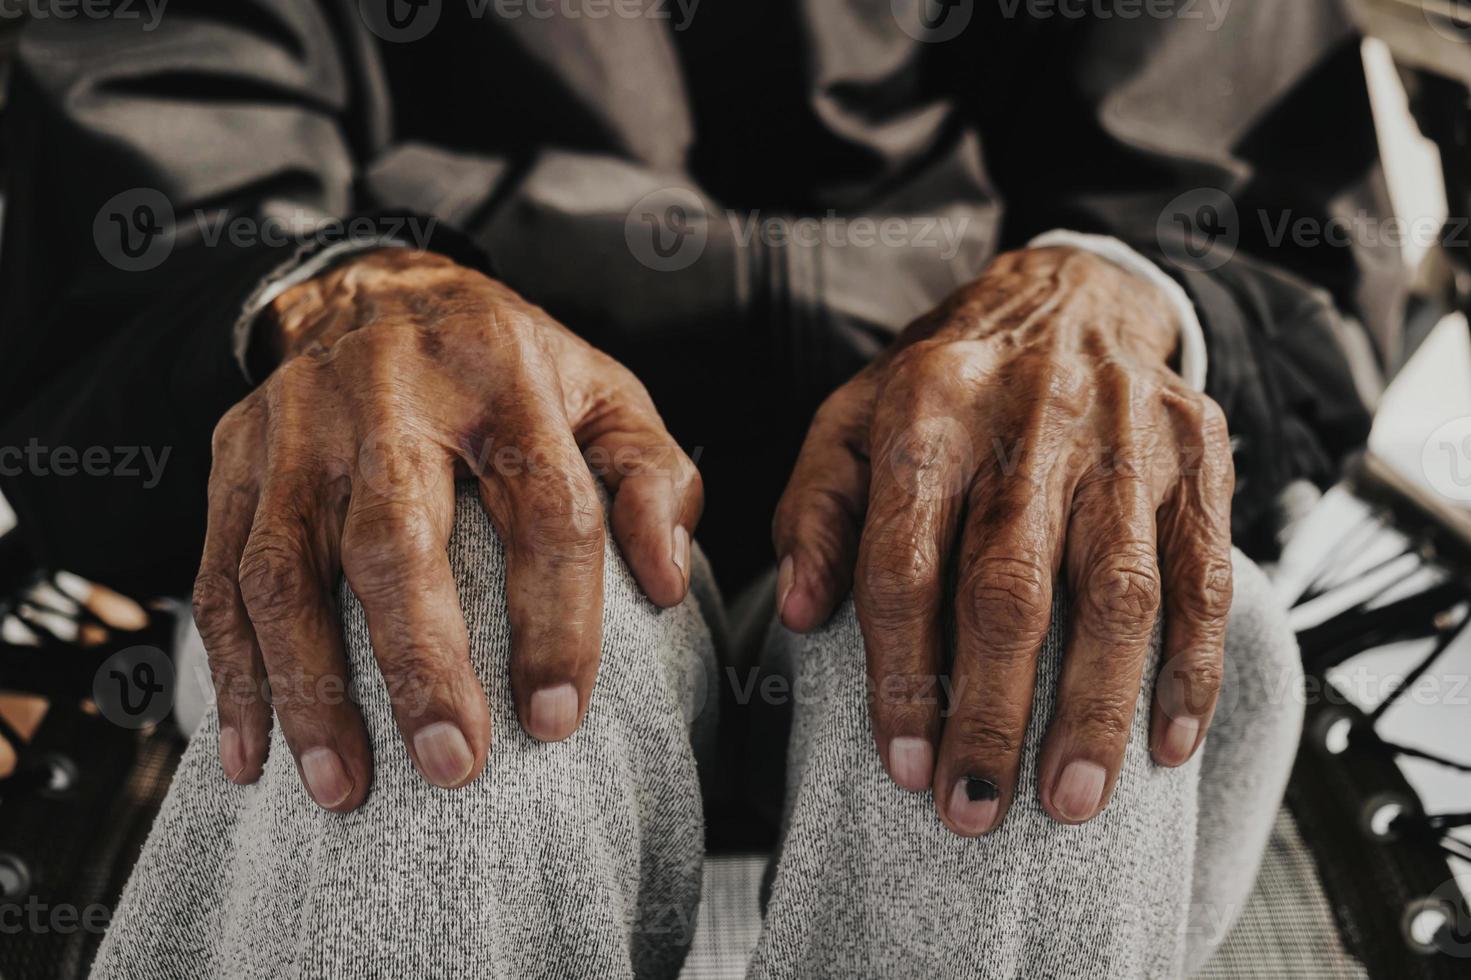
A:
[919,470]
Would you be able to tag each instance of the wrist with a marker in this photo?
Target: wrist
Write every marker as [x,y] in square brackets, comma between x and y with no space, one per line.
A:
[1103,295]
[1191,358]
[325,307]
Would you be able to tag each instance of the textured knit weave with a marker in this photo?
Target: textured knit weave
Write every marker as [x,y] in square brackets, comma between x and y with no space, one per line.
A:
[871,884]
[578,859]
[583,859]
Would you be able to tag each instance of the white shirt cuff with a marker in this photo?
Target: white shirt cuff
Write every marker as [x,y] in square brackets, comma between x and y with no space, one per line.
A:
[293,272]
[1192,334]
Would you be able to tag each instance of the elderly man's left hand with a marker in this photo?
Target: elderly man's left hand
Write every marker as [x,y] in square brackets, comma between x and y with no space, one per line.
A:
[1030,424]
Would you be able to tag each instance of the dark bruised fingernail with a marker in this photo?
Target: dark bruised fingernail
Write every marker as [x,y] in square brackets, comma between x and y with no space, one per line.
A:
[978,789]
[974,806]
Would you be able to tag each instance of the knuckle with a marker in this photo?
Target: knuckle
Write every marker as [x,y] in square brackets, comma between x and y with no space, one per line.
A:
[1008,598]
[232,425]
[1121,595]
[416,676]
[1103,718]
[987,742]
[564,519]
[691,482]
[903,693]
[1206,592]
[892,588]
[916,368]
[297,372]
[1212,422]
[391,540]
[213,603]
[1199,678]
[273,578]
[355,350]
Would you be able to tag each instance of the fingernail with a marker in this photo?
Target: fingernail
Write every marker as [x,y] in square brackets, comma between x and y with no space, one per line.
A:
[1079,789]
[1179,739]
[326,778]
[232,753]
[681,553]
[444,755]
[784,582]
[974,804]
[553,714]
[912,763]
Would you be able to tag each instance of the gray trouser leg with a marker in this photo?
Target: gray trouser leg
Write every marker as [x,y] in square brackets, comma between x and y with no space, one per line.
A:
[579,859]
[871,884]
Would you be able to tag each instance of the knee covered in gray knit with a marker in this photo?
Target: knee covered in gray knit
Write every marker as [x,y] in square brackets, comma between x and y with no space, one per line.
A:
[1262,682]
[647,654]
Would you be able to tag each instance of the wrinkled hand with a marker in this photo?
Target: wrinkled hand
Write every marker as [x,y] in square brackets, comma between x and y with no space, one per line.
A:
[1030,424]
[401,369]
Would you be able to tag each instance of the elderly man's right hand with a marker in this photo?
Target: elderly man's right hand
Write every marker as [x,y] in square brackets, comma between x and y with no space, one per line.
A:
[399,370]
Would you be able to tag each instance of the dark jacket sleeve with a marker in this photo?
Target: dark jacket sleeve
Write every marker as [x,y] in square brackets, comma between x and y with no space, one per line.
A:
[1203,143]
[166,172]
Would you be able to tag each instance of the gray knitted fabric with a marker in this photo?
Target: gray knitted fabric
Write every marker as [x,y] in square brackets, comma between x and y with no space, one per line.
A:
[583,859]
[871,884]
[577,859]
